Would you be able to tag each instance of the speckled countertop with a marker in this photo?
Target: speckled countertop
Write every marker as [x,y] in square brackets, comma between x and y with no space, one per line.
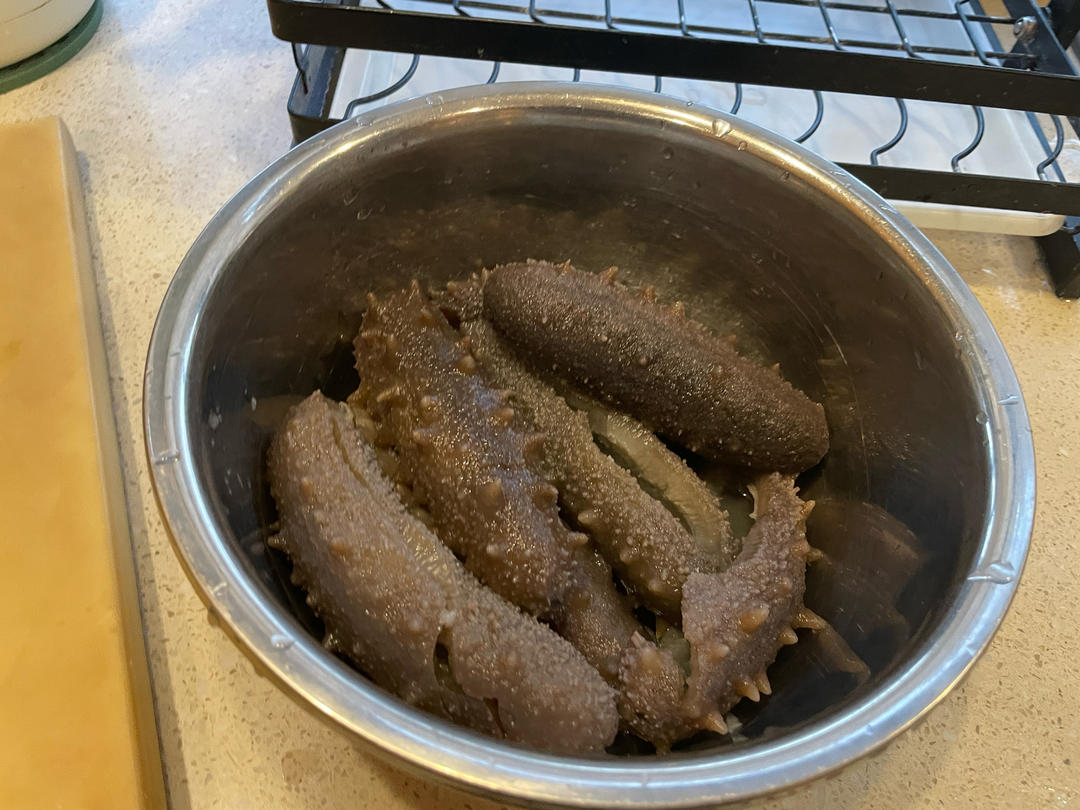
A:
[173,106]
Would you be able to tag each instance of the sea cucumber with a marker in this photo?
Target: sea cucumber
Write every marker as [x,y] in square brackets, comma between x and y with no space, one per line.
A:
[392,596]
[735,622]
[458,449]
[595,617]
[455,448]
[662,473]
[663,368]
[644,542]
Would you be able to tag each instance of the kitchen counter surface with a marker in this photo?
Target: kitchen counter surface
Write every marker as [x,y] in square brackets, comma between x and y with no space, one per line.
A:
[173,106]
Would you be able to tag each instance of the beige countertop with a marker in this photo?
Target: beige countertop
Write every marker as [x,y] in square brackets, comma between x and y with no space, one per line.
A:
[173,106]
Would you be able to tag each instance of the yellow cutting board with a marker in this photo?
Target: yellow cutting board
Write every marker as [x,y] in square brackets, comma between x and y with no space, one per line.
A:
[76,714]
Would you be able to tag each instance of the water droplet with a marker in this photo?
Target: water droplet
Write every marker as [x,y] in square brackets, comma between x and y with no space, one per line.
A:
[168,457]
[1011,399]
[742,146]
[998,572]
[785,176]
[720,128]
[959,336]
[668,153]
[981,418]
[282,641]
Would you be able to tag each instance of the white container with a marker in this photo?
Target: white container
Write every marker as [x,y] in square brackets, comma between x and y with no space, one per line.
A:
[30,26]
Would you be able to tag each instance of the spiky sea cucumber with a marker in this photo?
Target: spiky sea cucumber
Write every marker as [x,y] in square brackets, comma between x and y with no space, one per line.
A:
[459,451]
[449,429]
[735,622]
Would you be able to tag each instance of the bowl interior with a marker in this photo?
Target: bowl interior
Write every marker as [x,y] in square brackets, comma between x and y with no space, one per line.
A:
[752,248]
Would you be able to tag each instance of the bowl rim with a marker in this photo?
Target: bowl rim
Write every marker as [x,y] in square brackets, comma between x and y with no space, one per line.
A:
[275,641]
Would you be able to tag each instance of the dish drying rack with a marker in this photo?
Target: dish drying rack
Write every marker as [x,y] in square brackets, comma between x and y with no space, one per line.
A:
[963,113]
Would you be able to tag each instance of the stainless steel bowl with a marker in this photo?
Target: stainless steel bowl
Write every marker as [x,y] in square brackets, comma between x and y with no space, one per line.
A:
[925,499]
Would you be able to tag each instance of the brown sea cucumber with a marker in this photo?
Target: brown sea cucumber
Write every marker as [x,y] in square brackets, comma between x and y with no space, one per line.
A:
[449,430]
[645,543]
[459,451]
[735,622]
[661,472]
[392,595]
[663,368]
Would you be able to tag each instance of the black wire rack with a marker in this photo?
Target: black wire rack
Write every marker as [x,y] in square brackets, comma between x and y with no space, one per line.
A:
[907,51]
